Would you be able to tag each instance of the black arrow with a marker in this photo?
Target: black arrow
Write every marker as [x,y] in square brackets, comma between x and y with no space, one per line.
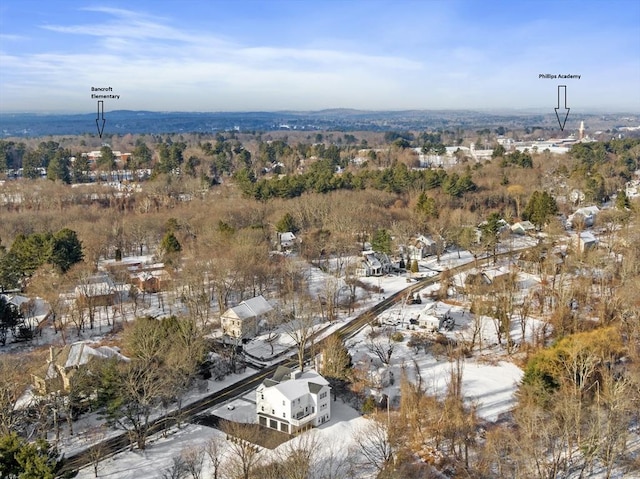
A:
[100,110]
[562,89]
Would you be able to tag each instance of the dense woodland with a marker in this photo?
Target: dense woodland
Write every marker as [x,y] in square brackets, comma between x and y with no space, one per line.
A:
[211,208]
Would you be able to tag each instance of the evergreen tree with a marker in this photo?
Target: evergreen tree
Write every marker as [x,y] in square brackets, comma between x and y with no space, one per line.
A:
[426,206]
[24,460]
[28,253]
[141,156]
[80,169]
[46,151]
[58,168]
[10,319]
[381,241]
[490,232]
[30,164]
[540,208]
[107,160]
[10,446]
[287,223]
[414,266]
[10,271]
[4,154]
[170,244]
[166,161]
[67,249]
[622,201]
[498,152]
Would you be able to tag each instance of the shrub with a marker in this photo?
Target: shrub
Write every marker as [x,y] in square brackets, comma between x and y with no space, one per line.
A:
[369,405]
[398,337]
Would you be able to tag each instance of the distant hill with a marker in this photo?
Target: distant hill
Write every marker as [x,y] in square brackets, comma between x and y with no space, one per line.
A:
[339,119]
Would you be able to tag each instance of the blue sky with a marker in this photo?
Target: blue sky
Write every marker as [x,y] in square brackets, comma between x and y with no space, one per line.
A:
[250,55]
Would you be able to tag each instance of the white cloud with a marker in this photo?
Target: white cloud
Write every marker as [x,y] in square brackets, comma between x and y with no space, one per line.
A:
[155,66]
[12,38]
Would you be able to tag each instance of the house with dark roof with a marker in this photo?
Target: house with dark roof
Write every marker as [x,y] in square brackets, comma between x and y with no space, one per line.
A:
[292,400]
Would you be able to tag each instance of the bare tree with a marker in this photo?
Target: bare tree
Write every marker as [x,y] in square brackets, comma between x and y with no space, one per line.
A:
[375,444]
[298,457]
[193,460]
[87,294]
[176,470]
[503,308]
[329,298]
[336,360]
[194,291]
[185,353]
[48,284]
[215,450]
[477,324]
[97,449]
[273,319]
[13,383]
[140,389]
[524,309]
[616,415]
[76,315]
[301,328]
[351,280]
[334,463]
[459,421]
[244,455]
[381,345]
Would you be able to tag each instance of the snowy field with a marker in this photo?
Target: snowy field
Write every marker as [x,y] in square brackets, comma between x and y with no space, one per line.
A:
[335,437]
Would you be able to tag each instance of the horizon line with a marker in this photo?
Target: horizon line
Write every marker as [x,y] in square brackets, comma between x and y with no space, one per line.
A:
[523,110]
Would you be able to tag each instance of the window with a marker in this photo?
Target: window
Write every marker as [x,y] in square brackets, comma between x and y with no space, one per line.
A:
[262,408]
[284,414]
[283,403]
[323,395]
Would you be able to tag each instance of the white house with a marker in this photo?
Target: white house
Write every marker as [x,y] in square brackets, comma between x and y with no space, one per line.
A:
[585,240]
[434,316]
[287,239]
[375,264]
[587,214]
[421,248]
[428,321]
[522,227]
[292,400]
[243,320]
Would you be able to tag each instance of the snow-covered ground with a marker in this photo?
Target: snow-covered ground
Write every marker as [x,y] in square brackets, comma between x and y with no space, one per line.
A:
[489,379]
[335,437]
[488,386]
